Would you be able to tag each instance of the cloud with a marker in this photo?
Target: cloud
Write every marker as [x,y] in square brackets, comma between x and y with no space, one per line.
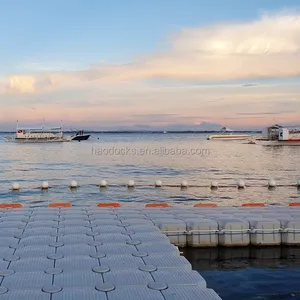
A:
[265,113]
[271,34]
[35,66]
[155,115]
[249,84]
[130,104]
[265,48]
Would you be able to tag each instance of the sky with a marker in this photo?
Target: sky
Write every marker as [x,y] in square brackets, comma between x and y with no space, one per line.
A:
[132,64]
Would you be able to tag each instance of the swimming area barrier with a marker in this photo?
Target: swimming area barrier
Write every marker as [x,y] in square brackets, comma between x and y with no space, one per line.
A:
[214,185]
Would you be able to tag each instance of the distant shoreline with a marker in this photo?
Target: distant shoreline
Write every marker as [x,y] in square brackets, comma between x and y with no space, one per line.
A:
[149,132]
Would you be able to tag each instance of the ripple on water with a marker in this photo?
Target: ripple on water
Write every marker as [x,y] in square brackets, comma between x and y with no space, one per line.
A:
[225,162]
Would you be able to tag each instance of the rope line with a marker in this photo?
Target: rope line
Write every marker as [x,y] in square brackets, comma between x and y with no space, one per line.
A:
[229,231]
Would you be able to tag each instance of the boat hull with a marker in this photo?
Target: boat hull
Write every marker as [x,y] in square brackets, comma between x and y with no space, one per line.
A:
[295,142]
[228,137]
[81,137]
[16,140]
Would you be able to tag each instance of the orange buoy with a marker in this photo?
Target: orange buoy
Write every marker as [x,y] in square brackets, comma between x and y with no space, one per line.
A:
[162,205]
[60,204]
[295,204]
[11,205]
[205,205]
[255,204]
[109,204]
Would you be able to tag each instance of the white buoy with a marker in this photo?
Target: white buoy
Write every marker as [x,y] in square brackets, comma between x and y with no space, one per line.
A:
[214,185]
[184,184]
[131,184]
[271,183]
[241,184]
[103,183]
[45,185]
[15,186]
[73,184]
[158,183]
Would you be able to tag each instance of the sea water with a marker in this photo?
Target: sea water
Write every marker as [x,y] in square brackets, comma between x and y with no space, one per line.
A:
[171,158]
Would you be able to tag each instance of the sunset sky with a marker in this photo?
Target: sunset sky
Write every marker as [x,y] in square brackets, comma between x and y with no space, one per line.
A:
[149,64]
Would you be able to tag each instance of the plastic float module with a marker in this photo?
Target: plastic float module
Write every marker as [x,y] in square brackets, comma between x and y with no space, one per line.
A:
[62,252]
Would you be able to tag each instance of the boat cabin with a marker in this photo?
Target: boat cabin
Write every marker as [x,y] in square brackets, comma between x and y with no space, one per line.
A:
[276,133]
[34,133]
[225,129]
[80,132]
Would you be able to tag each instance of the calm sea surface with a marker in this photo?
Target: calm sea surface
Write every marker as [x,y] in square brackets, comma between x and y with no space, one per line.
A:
[144,158]
[171,158]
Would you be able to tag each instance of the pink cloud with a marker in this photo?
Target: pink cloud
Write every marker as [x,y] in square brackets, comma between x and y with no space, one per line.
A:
[266,48]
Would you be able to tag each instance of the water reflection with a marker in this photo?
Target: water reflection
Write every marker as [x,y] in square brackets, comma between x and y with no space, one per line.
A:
[225,258]
[30,164]
[249,273]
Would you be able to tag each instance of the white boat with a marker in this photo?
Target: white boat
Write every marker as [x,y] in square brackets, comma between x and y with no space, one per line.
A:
[38,135]
[227,134]
[277,135]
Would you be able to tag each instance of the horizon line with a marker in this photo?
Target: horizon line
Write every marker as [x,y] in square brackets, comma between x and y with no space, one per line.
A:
[147,131]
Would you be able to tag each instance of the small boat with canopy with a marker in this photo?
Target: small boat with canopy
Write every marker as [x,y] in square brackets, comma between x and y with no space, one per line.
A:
[38,135]
[278,135]
[228,135]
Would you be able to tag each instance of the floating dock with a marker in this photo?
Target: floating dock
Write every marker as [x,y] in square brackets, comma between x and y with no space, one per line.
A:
[64,252]
[113,252]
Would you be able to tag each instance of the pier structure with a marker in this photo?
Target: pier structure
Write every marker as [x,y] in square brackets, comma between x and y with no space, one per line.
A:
[107,253]
[114,251]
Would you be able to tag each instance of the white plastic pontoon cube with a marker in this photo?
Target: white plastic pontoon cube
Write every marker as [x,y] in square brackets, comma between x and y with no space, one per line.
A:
[291,232]
[233,232]
[174,229]
[202,233]
[265,232]
[179,277]
[189,292]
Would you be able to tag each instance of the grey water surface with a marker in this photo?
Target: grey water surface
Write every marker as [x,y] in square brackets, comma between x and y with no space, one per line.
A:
[145,158]
[171,158]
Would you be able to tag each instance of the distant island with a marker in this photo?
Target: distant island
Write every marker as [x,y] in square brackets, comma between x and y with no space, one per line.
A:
[201,128]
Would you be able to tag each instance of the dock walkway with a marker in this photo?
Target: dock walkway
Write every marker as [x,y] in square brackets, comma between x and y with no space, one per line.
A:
[63,253]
